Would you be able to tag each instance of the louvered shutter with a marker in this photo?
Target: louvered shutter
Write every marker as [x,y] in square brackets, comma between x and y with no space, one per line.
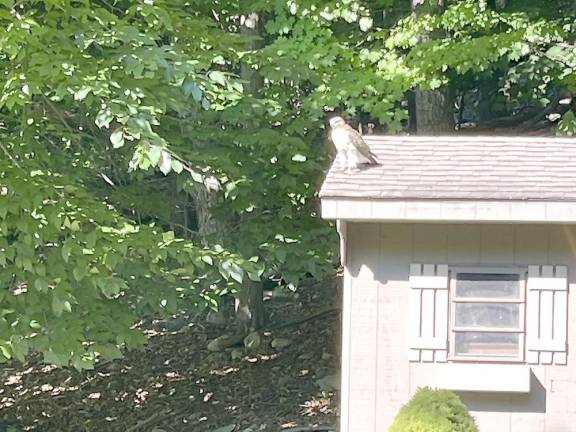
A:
[547,314]
[429,312]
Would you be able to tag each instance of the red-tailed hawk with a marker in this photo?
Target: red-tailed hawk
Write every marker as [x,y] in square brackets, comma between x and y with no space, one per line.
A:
[352,150]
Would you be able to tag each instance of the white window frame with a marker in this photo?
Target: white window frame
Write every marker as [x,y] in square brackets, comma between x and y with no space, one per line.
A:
[521,330]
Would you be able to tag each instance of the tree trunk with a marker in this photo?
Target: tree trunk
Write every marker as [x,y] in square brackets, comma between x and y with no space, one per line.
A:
[251,29]
[433,109]
[250,307]
[249,303]
[210,229]
[411,127]
[500,4]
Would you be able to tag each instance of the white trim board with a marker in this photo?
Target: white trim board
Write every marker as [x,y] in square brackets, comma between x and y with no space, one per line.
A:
[449,210]
[478,377]
[345,359]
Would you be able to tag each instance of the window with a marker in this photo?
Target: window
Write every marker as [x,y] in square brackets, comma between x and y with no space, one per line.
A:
[487,314]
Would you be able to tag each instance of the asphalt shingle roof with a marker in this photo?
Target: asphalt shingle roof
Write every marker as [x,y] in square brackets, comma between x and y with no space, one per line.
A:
[461,168]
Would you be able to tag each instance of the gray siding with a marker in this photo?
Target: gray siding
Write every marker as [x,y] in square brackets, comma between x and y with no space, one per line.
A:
[377,376]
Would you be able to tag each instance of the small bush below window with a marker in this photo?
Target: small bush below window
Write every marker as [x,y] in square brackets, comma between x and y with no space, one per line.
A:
[434,411]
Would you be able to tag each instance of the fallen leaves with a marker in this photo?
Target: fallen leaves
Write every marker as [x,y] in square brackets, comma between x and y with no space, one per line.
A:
[177,385]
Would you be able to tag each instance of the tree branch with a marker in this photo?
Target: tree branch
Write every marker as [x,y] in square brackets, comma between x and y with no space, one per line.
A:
[58,114]
[12,158]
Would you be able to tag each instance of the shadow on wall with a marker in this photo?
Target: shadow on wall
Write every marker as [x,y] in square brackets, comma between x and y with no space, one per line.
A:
[533,402]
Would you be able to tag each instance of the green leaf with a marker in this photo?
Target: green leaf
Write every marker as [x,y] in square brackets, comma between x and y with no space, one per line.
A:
[104,118]
[82,93]
[5,351]
[66,251]
[205,103]
[190,88]
[111,260]
[109,352]
[80,363]
[35,325]
[218,77]
[299,158]
[567,125]
[236,272]
[59,359]
[41,285]
[57,306]
[20,348]
[197,177]
[365,23]
[349,15]
[154,154]
[165,163]
[177,166]
[79,273]
[117,138]
[111,287]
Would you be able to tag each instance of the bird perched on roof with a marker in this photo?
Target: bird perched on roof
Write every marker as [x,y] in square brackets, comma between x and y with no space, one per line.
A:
[352,149]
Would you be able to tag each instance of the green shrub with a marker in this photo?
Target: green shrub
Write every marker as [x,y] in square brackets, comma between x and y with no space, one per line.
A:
[434,411]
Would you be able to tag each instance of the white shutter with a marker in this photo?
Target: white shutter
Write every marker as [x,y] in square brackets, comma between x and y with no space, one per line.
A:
[547,314]
[428,312]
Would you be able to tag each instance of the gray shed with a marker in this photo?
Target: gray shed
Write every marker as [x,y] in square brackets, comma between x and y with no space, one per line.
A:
[459,255]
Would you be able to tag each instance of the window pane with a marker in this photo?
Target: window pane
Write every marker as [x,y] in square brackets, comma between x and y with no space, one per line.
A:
[484,344]
[500,315]
[501,285]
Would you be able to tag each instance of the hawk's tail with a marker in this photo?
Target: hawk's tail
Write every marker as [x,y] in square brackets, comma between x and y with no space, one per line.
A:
[372,159]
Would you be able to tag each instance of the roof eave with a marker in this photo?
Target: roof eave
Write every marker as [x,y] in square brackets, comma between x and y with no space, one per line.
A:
[445,211]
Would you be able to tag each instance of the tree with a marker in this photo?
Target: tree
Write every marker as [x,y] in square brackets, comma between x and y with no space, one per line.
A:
[500,61]
[249,305]
[82,81]
[434,108]
[114,113]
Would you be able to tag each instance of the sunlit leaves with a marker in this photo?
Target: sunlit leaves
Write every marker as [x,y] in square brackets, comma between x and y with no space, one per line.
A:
[218,77]
[66,289]
[365,23]
[117,138]
[567,125]
[165,163]
[177,166]
[299,158]
[104,118]
[517,56]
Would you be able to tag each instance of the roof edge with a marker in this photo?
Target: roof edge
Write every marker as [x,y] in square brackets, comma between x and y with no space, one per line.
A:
[471,137]
[458,211]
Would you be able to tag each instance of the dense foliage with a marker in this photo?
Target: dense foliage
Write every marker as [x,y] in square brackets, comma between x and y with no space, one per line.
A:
[125,122]
[434,411]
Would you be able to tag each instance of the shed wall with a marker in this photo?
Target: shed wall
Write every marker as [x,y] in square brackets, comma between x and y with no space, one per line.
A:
[377,376]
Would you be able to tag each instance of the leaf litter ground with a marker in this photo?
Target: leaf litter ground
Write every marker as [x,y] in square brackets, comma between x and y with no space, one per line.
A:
[175,384]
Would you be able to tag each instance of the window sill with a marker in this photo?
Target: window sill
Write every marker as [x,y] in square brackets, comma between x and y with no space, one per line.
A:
[486,360]
[476,377]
